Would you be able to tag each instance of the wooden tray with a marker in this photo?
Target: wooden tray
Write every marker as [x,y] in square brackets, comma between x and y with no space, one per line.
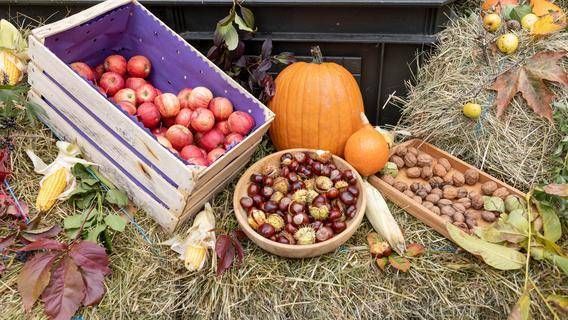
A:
[417,210]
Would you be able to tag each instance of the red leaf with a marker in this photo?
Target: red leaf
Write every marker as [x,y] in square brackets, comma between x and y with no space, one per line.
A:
[221,245]
[226,253]
[35,235]
[382,263]
[399,263]
[34,277]
[66,290]
[414,250]
[48,244]
[93,262]
[6,242]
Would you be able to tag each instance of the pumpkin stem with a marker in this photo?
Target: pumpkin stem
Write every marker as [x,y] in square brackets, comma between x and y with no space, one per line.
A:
[316,54]
[364,119]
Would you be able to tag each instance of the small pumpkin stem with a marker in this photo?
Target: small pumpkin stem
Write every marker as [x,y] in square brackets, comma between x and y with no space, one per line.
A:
[364,119]
[316,54]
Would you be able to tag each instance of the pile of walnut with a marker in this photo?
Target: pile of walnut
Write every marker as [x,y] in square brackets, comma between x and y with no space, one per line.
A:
[442,190]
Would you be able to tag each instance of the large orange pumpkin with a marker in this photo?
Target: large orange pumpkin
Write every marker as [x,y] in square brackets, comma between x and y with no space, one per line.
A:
[317,105]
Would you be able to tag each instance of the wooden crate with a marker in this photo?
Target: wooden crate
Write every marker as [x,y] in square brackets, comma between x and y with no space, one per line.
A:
[417,210]
[158,178]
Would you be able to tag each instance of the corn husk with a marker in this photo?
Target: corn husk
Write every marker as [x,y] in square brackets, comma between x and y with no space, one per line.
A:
[13,54]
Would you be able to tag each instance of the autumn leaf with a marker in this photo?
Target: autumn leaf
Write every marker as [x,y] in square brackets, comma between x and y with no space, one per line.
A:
[559,302]
[497,5]
[399,263]
[557,189]
[93,262]
[44,244]
[66,290]
[382,263]
[550,23]
[521,310]
[528,80]
[225,252]
[544,7]
[37,234]
[34,277]
[414,250]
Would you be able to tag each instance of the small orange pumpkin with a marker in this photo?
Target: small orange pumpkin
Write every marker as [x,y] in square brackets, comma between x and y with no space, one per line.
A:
[367,150]
[317,106]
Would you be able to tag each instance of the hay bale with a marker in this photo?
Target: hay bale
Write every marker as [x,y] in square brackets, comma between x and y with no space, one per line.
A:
[514,148]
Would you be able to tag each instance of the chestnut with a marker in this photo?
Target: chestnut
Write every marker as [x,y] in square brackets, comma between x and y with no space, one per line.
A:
[335,214]
[347,197]
[351,210]
[317,224]
[266,230]
[270,206]
[290,228]
[293,177]
[354,190]
[325,171]
[256,178]
[335,175]
[268,181]
[294,166]
[304,172]
[300,157]
[284,172]
[286,158]
[257,200]
[332,166]
[267,192]
[284,204]
[316,167]
[332,193]
[296,208]
[282,239]
[319,201]
[323,234]
[253,189]
[273,238]
[339,226]
[300,219]
[348,175]
[246,202]
[297,186]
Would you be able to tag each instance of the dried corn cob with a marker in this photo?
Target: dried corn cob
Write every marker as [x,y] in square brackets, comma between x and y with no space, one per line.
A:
[50,189]
[195,256]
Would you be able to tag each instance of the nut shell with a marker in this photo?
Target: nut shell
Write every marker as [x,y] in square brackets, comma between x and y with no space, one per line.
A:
[413,172]
[398,161]
[471,176]
[439,170]
[458,179]
[410,159]
[450,193]
[445,163]
[400,186]
[488,216]
[433,198]
[488,188]
[501,193]
[426,173]
[401,151]
[423,160]
[447,210]
[388,179]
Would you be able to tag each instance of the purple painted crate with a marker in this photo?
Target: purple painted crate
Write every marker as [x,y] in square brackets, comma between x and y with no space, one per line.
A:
[125,27]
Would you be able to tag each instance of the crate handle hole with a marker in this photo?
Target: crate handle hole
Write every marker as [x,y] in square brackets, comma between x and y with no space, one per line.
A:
[140,39]
[177,51]
[201,71]
[155,33]
[169,82]
[184,77]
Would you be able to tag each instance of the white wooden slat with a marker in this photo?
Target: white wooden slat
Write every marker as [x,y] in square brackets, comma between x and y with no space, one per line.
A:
[65,130]
[106,141]
[98,106]
[72,21]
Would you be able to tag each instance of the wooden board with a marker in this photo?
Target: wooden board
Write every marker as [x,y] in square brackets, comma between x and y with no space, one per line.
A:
[417,210]
[143,171]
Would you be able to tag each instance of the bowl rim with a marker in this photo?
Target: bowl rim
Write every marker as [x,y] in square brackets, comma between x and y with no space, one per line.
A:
[352,224]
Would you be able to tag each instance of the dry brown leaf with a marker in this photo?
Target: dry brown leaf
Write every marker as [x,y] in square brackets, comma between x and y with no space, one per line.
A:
[528,80]
[497,5]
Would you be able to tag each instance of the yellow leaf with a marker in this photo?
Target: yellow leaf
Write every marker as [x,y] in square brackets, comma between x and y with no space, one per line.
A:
[559,302]
[521,310]
[544,7]
[549,23]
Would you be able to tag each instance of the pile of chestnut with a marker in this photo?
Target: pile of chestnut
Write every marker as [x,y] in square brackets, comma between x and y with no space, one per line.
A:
[303,200]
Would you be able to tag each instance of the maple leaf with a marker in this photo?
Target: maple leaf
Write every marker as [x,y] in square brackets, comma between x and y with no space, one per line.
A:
[528,80]
[62,297]
[34,277]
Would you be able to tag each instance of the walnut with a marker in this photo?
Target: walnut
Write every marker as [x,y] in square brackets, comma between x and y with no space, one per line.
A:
[415,186]
[436,210]
[473,214]
[445,163]
[426,173]
[422,193]
[446,218]
[423,160]
[471,176]
[488,216]
[417,199]
[439,170]
[462,192]
[436,182]
[427,187]
[409,193]
[449,178]
[458,217]
[488,188]
[410,159]
[398,161]
[427,204]
[444,202]
[477,202]
[434,198]
[413,172]
[388,179]
[458,179]
[465,202]
[437,191]
[400,186]
[447,210]
[471,223]
[458,207]
[501,193]
[450,193]
[401,151]
[413,150]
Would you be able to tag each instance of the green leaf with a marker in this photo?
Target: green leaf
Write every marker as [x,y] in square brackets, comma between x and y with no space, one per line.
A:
[248,16]
[550,222]
[507,10]
[559,261]
[80,171]
[559,302]
[241,24]
[521,310]
[229,34]
[519,12]
[117,197]
[228,19]
[493,204]
[93,234]
[102,178]
[517,219]
[89,181]
[382,263]
[115,222]
[399,263]
[495,255]
[72,233]
[73,222]
[85,201]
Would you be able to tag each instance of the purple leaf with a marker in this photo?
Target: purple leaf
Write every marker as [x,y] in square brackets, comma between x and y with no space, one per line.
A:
[266,49]
[48,244]
[90,257]
[37,234]
[34,277]
[6,242]
[94,287]
[226,260]
[62,297]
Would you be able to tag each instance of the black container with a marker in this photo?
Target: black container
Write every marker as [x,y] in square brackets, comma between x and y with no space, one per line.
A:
[377,40]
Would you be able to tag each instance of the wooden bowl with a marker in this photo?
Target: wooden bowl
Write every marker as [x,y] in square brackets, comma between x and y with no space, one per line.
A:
[288,250]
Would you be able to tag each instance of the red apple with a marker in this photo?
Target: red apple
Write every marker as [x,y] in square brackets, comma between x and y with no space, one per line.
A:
[223,126]
[149,115]
[215,154]
[192,151]
[134,83]
[160,131]
[127,106]
[179,136]
[221,108]
[202,120]
[183,97]
[211,140]
[168,104]
[168,122]
[184,117]
[83,70]
[111,82]
[139,66]
[125,94]
[199,97]
[240,122]
[232,139]
[199,161]
[145,93]
[99,70]
[158,91]
[116,63]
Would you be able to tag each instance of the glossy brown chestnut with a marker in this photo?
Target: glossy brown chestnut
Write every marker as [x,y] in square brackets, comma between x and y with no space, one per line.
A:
[294,166]
[266,230]
[246,202]
[347,197]
[293,177]
[253,189]
[317,224]
[332,193]
[296,208]
[354,190]
[284,204]
[268,181]
[300,157]
[270,206]
[335,175]
[282,239]
[323,234]
[266,192]
[285,157]
[351,211]
[316,167]
[257,199]
[284,172]
[319,200]
[256,178]
[339,226]
[290,228]
[297,185]
[325,171]
[335,214]
[300,219]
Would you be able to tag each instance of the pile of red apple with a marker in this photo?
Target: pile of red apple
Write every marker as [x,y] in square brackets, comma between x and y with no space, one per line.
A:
[193,124]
